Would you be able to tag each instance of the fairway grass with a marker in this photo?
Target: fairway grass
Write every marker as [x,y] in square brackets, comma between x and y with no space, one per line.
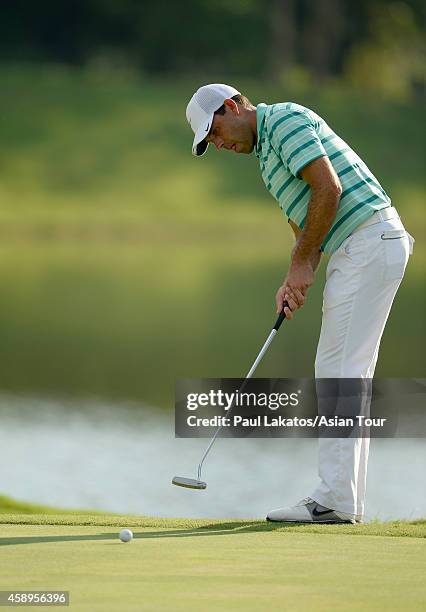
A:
[202,564]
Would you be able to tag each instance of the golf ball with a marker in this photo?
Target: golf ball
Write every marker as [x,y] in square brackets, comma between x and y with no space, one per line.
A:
[125,535]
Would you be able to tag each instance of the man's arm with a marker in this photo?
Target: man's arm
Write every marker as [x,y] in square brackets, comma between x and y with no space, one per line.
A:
[316,256]
[325,195]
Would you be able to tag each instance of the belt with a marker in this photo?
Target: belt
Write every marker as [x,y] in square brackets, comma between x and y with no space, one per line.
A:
[380,215]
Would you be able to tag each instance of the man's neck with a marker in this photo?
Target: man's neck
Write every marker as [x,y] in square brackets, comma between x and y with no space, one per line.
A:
[251,115]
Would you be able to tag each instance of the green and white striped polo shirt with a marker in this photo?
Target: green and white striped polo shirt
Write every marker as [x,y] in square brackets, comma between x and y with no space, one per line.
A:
[289,136]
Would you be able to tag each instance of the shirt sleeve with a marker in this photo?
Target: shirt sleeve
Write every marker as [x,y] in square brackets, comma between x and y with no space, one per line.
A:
[294,139]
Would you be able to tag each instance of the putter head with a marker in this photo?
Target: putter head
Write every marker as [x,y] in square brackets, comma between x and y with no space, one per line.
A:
[189,483]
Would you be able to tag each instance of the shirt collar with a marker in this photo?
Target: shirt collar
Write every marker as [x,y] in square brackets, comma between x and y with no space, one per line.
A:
[260,118]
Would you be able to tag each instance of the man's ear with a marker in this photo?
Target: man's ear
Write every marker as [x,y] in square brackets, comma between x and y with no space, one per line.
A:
[232,106]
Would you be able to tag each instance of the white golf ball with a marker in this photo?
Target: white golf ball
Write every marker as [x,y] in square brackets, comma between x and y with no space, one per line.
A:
[125,535]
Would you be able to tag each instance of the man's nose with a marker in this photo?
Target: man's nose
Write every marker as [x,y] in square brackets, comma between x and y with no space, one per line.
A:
[218,143]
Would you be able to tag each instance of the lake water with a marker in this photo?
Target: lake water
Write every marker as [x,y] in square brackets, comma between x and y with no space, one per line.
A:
[118,320]
[121,458]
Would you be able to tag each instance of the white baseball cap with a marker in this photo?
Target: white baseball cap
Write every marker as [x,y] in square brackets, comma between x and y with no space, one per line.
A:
[201,109]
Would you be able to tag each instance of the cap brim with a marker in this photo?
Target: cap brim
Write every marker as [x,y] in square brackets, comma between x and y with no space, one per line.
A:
[199,146]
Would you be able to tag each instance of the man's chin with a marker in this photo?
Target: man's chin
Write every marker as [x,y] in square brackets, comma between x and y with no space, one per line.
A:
[245,148]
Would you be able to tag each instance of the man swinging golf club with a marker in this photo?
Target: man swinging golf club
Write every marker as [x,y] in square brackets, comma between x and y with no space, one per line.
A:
[335,206]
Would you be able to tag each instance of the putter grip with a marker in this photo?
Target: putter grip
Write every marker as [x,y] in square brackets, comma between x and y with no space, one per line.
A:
[281,317]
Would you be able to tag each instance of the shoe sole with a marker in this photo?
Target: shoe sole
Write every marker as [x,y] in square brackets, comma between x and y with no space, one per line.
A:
[342,522]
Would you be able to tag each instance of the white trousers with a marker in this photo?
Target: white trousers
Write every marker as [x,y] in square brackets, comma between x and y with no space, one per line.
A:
[362,278]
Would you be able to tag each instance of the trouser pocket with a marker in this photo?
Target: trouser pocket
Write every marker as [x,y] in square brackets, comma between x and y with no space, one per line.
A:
[396,247]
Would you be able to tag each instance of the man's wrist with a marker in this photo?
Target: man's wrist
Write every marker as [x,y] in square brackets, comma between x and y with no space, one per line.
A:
[303,253]
[300,259]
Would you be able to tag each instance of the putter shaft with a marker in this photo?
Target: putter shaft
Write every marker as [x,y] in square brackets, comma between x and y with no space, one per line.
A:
[249,375]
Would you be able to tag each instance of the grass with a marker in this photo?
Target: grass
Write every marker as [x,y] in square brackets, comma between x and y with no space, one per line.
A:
[15,512]
[204,564]
[9,505]
[10,508]
[192,565]
[411,529]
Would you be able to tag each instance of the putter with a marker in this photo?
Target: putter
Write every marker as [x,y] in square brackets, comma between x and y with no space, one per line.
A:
[197,483]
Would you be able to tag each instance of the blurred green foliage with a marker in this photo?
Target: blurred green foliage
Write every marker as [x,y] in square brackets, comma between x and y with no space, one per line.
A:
[126,263]
[373,41]
[392,60]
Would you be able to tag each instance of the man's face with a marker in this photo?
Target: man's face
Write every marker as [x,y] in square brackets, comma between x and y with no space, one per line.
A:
[231,131]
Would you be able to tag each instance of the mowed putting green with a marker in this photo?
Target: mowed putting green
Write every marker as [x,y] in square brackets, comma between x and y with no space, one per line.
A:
[214,565]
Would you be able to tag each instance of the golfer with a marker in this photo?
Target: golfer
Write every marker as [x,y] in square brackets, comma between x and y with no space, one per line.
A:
[336,207]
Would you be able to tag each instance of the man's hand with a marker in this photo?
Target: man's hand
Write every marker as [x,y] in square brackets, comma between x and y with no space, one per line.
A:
[300,276]
[293,290]
[296,284]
